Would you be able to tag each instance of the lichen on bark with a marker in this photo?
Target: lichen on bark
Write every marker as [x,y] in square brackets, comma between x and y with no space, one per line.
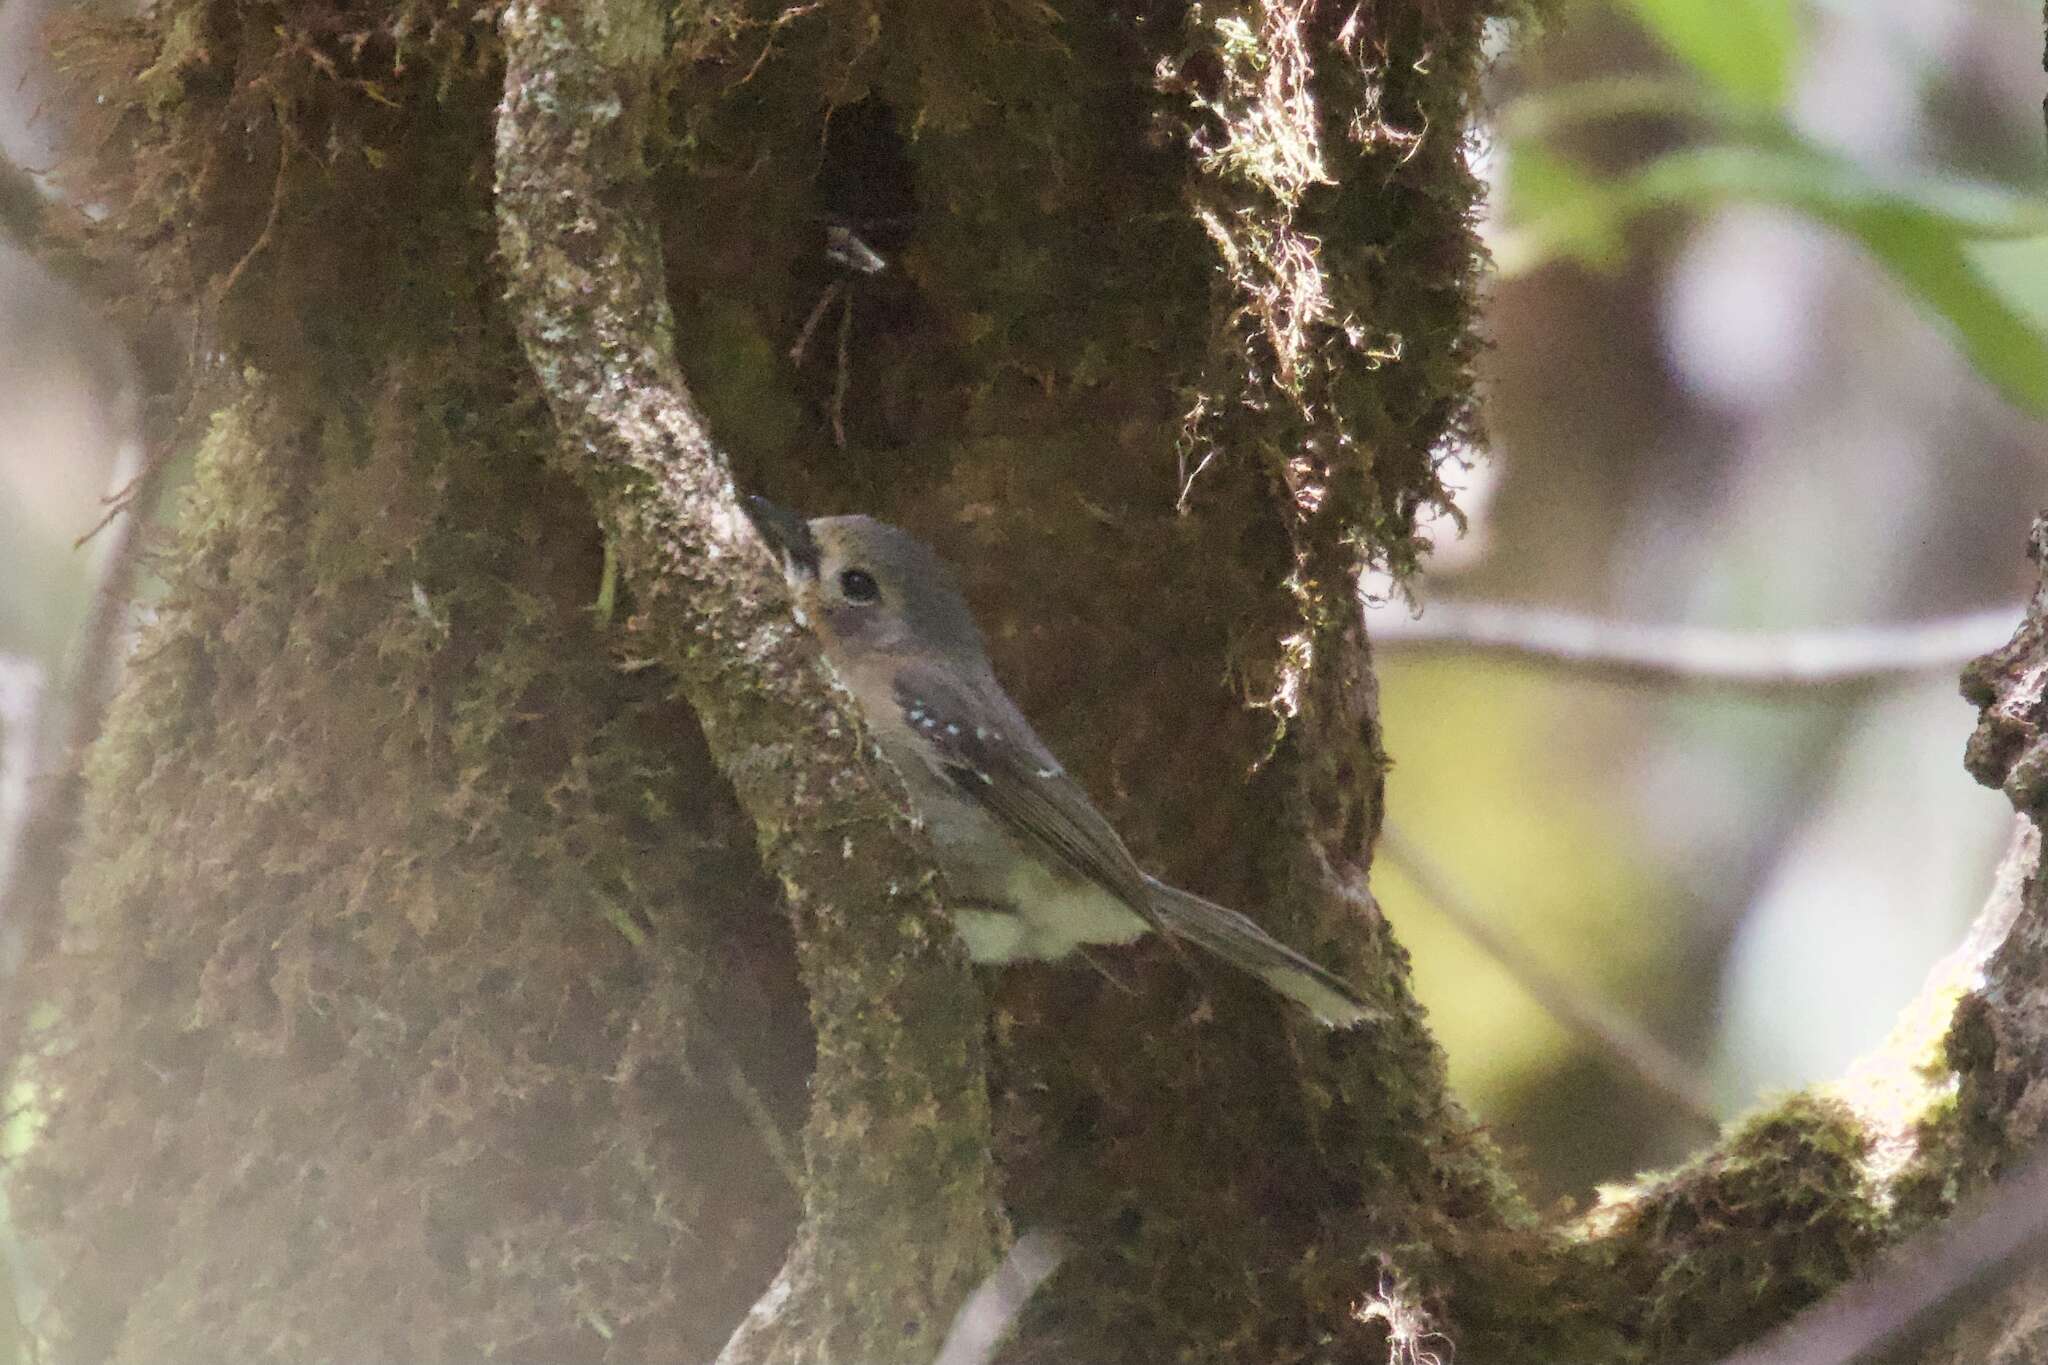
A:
[899,1215]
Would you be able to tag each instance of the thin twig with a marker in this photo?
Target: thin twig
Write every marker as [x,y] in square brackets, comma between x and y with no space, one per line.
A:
[143,485]
[270,221]
[21,203]
[756,1109]
[979,1326]
[1615,1035]
[21,691]
[774,26]
[758,1114]
[1699,656]
[840,374]
[68,721]
[803,337]
[73,706]
[1970,1254]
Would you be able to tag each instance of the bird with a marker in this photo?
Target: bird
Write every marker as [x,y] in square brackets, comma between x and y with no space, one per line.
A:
[1033,871]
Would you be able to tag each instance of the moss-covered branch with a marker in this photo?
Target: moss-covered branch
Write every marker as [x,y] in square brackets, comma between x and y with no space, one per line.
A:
[900,1216]
[1804,1196]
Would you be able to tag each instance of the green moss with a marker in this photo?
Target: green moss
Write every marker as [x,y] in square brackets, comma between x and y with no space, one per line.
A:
[399,865]
[1937,1175]
[362,829]
[739,375]
[1318,175]
[383,791]
[1767,1223]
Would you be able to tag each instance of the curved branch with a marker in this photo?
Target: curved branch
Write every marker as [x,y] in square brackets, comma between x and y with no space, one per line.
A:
[2006,1230]
[1959,1265]
[35,851]
[66,719]
[1803,1196]
[1764,662]
[1950,1102]
[21,691]
[900,1213]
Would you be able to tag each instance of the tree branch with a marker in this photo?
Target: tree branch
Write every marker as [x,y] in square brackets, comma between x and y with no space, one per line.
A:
[69,715]
[66,720]
[1613,1034]
[2006,1230]
[992,1308]
[1952,1099]
[21,692]
[1765,662]
[901,1220]
[1804,1195]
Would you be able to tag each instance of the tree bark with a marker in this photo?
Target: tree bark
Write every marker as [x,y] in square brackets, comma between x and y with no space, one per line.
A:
[899,1209]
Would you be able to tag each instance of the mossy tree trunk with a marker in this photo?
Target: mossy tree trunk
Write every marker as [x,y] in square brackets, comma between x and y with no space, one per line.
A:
[425,993]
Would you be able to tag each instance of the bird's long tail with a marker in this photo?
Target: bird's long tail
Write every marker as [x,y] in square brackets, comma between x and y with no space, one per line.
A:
[1245,945]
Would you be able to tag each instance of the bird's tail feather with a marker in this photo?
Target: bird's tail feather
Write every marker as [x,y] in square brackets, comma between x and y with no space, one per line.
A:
[1246,946]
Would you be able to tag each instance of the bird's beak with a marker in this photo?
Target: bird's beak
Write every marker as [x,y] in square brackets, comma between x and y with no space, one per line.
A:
[787,533]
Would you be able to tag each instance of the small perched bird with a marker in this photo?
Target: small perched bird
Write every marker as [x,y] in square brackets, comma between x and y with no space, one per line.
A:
[1033,869]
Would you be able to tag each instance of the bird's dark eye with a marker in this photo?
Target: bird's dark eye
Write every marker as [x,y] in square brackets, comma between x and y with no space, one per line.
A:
[858,585]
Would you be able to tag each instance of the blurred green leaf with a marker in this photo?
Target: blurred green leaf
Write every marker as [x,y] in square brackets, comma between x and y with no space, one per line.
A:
[1972,255]
[1548,112]
[1744,47]
[1919,230]
[2007,347]
[2018,270]
[1797,174]
[1558,211]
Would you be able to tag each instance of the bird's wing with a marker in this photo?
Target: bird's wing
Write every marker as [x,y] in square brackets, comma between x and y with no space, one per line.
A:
[1244,945]
[978,741]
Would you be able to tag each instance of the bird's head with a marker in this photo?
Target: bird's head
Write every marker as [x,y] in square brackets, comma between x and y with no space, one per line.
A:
[870,589]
